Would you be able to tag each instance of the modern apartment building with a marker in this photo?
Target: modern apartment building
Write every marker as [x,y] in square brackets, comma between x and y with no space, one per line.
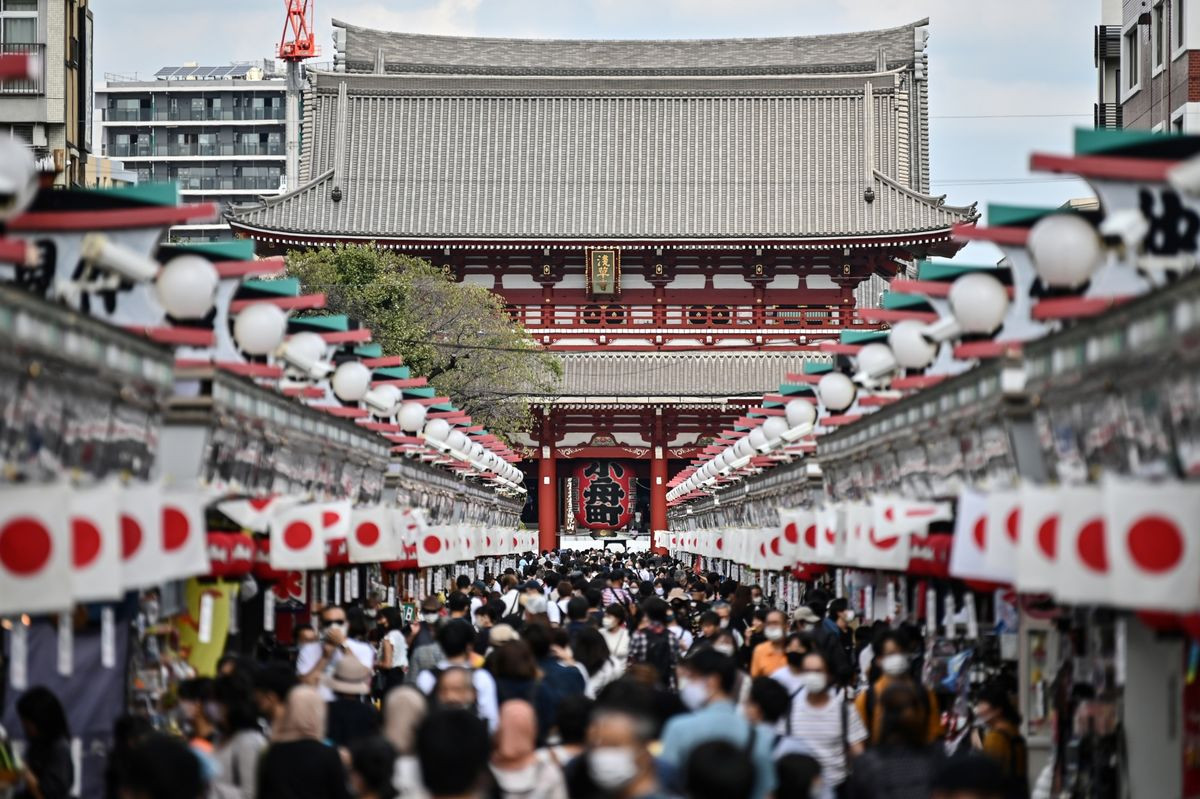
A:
[1155,78]
[52,111]
[216,131]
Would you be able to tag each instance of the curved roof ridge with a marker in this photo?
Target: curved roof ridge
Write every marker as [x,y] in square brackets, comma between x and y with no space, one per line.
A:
[937,200]
[442,37]
[278,199]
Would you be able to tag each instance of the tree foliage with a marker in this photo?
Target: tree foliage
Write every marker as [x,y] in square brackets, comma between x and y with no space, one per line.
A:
[456,334]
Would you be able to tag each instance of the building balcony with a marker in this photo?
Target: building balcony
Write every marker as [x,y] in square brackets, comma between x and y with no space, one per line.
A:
[152,116]
[199,151]
[189,184]
[1106,115]
[1107,42]
[36,84]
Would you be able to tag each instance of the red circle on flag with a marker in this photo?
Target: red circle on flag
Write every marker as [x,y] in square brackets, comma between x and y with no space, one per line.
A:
[1091,546]
[791,533]
[721,542]
[259,503]
[762,549]
[367,534]
[1012,524]
[329,518]
[775,546]
[1155,544]
[85,542]
[175,529]
[25,546]
[1047,537]
[432,544]
[830,535]
[980,532]
[297,535]
[131,537]
[810,536]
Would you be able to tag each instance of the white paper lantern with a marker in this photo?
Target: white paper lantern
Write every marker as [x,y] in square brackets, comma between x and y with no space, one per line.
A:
[758,438]
[437,429]
[979,302]
[351,381]
[800,412]
[259,328]
[187,286]
[1066,250]
[383,401]
[911,348]
[412,417]
[836,391]
[457,441]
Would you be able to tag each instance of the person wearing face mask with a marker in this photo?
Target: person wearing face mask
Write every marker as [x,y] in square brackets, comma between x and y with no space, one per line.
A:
[1000,738]
[616,635]
[617,762]
[315,662]
[425,652]
[455,638]
[824,722]
[831,638]
[769,656]
[892,662]
[902,764]
[791,676]
[678,624]
[705,686]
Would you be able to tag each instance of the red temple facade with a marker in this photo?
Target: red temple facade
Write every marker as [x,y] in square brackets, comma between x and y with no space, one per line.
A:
[685,221]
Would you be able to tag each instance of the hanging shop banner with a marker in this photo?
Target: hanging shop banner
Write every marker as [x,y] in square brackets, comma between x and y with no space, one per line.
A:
[604,499]
[205,625]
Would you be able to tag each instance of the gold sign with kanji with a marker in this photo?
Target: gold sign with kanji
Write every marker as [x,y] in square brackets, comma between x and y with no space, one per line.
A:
[604,272]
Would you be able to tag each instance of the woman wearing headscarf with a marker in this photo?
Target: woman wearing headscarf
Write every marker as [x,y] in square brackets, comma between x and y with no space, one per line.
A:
[299,764]
[403,711]
[522,771]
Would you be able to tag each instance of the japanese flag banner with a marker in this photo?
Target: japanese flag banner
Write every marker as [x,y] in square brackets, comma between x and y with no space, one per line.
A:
[968,558]
[143,561]
[1037,538]
[886,543]
[801,523]
[297,538]
[371,538]
[35,549]
[1084,575]
[184,534]
[335,519]
[431,551]
[403,522]
[829,534]
[1003,532]
[254,513]
[908,516]
[1152,533]
[96,542]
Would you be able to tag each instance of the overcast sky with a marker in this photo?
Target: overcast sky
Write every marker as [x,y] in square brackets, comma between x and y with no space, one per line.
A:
[1006,76]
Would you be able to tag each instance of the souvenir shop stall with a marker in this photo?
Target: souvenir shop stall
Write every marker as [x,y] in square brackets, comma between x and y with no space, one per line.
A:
[1011,466]
[184,432]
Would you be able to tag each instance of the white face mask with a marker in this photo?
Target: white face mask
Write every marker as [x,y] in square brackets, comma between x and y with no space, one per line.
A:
[610,622]
[694,694]
[612,767]
[849,616]
[773,633]
[724,649]
[429,618]
[814,681]
[894,664]
[659,591]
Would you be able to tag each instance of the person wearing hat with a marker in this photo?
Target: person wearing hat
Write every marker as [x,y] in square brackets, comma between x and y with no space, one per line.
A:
[803,619]
[351,715]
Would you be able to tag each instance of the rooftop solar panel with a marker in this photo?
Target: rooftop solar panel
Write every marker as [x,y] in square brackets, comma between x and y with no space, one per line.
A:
[165,71]
[204,72]
[239,70]
[221,72]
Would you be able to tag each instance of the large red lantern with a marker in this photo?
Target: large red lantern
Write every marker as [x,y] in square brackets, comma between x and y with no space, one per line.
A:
[604,495]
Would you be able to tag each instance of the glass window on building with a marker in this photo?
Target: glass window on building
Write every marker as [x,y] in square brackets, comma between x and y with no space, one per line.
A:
[18,21]
[1159,32]
[1131,57]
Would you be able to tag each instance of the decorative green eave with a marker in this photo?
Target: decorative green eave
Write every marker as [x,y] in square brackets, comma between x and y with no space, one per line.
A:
[817,368]
[938,271]
[1089,141]
[894,301]
[1001,215]
[425,392]
[151,194]
[393,373]
[236,250]
[793,389]
[444,406]
[338,322]
[369,351]
[772,404]
[863,336]
[283,287]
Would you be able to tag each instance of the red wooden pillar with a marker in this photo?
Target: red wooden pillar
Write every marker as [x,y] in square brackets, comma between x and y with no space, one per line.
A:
[658,481]
[547,490]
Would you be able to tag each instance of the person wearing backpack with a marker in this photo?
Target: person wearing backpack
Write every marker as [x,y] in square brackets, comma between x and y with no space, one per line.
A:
[654,645]
[825,722]
[893,666]
[1000,737]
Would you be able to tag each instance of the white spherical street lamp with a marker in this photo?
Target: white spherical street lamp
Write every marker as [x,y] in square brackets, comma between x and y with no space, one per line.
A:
[187,286]
[836,391]
[979,302]
[412,417]
[437,429]
[259,328]
[351,381]
[800,412]
[911,348]
[1066,250]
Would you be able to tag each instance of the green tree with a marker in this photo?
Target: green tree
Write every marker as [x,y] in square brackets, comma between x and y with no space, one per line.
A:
[456,334]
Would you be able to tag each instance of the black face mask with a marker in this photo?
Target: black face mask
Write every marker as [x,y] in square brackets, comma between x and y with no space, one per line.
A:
[795,659]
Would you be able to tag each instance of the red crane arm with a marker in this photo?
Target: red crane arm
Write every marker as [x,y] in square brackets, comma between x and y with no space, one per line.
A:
[299,21]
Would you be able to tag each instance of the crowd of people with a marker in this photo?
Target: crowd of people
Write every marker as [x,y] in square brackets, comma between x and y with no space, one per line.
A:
[575,674]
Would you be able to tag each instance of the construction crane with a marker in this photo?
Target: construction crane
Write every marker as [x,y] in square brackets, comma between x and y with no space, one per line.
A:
[300,46]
